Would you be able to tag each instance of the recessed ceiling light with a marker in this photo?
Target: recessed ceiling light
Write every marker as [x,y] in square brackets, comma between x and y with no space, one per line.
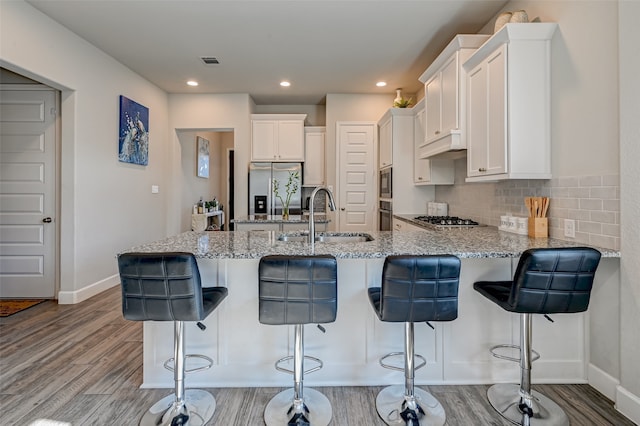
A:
[192,83]
[381,83]
[285,83]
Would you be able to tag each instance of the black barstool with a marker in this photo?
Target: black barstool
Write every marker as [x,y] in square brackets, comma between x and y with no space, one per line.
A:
[298,290]
[167,287]
[546,281]
[414,289]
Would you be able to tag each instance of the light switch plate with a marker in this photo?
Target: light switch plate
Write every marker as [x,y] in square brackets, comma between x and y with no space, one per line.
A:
[155,189]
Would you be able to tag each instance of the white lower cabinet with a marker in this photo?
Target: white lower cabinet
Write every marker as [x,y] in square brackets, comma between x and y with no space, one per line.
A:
[279,226]
[300,226]
[257,226]
[401,225]
[508,106]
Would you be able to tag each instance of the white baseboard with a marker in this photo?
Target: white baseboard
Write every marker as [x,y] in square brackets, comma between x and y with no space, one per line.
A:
[603,382]
[77,296]
[628,404]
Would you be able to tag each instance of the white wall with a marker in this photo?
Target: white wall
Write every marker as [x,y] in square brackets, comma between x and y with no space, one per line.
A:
[316,114]
[629,51]
[107,206]
[193,186]
[230,112]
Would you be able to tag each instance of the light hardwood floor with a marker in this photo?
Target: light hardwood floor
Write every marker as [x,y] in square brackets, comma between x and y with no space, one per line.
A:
[82,364]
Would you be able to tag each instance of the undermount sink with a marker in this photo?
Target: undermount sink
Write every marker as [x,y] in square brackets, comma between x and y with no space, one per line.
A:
[328,238]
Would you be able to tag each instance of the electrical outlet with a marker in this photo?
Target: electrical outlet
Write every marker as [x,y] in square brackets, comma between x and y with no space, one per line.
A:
[570,228]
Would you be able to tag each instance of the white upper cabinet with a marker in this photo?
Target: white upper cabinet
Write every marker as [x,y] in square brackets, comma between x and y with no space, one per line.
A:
[385,152]
[314,164]
[508,105]
[425,171]
[444,85]
[277,137]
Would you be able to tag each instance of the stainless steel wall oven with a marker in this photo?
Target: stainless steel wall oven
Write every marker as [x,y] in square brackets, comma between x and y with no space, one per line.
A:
[385,215]
[385,183]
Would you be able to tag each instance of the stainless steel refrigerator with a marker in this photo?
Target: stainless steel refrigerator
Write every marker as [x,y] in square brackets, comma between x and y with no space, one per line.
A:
[261,198]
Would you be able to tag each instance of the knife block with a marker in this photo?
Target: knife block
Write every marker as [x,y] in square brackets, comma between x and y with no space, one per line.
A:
[538,227]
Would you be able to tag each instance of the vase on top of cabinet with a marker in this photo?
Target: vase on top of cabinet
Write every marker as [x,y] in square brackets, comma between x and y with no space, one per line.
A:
[508,104]
[444,85]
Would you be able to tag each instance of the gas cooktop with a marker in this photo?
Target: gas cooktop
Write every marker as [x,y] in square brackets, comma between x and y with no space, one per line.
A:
[446,222]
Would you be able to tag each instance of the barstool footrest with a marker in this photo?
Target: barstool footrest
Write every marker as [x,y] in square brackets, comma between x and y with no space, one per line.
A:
[290,357]
[423,361]
[494,351]
[168,363]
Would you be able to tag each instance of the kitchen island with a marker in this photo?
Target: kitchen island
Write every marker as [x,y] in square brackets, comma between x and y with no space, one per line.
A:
[457,352]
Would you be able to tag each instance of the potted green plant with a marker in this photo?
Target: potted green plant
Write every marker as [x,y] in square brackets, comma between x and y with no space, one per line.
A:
[291,188]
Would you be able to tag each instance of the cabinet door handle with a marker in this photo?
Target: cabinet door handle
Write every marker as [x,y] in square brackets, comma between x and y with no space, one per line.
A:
[437,132]
[342,208]
[419,177]
[46,220]
[482,169]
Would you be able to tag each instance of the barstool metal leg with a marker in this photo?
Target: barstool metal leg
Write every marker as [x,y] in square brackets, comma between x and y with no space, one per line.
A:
[518,403]
[193,407]
[408,405]
[298,406]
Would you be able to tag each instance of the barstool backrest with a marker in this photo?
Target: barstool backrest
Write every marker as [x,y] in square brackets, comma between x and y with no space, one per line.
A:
[297,289]
[557,280]
[161,287]
[419,288]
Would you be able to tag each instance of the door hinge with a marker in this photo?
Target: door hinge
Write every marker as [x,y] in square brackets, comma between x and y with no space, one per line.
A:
[53,111]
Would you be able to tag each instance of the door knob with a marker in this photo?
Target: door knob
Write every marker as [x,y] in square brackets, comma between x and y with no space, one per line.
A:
[46,220]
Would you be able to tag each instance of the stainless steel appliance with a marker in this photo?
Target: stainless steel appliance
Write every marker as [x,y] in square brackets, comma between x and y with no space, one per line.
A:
[261,198]
[445,222]
[385,183]
[385,215]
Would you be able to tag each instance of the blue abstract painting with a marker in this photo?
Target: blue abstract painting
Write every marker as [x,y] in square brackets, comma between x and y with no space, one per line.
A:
[134,132]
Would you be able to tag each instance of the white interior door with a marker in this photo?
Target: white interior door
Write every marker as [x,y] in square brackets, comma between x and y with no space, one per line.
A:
[27,193]
[356,177]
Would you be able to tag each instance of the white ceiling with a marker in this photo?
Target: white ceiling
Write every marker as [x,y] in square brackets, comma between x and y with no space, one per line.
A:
[321,46]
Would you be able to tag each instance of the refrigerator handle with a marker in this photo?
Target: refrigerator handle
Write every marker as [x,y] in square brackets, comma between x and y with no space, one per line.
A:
[272,197]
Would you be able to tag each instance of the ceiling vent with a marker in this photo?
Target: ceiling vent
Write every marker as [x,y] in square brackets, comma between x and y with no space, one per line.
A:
[210,60]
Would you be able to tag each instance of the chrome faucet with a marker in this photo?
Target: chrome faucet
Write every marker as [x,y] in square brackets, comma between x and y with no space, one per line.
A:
[312,224]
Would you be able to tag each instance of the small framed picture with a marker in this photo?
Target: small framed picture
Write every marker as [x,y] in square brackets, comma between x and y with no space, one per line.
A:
[203,157]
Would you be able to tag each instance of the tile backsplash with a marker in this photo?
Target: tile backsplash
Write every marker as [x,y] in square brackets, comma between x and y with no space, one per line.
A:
[592,201]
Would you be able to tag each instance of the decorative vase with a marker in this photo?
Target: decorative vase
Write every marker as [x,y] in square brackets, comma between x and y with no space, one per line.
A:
[398,98]
[519,17]
[285,213]
[502,19]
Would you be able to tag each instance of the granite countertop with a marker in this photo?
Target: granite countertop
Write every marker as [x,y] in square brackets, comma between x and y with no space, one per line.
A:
[479,242]
[263,218]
